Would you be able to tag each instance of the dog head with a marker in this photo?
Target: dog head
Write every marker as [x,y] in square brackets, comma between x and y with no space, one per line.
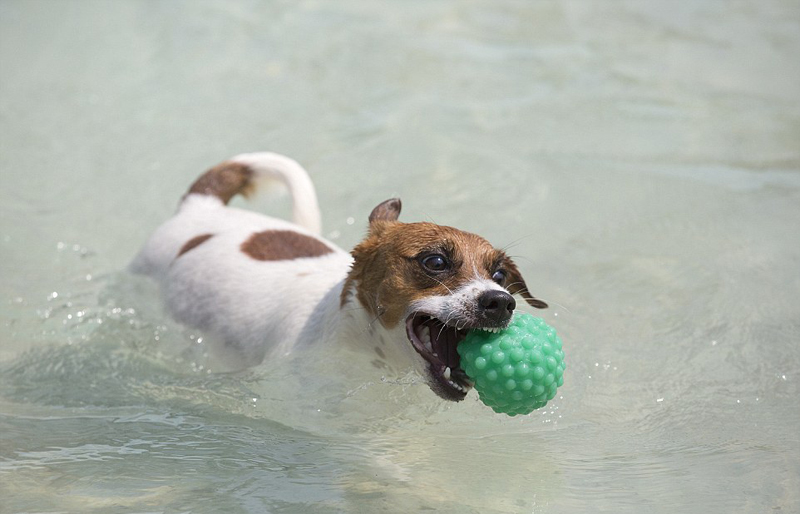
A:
[438,282]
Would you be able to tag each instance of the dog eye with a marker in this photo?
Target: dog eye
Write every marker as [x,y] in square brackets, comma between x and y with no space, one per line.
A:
[499,276]
[435,262]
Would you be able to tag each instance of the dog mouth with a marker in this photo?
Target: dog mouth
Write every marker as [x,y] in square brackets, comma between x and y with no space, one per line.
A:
[437,343]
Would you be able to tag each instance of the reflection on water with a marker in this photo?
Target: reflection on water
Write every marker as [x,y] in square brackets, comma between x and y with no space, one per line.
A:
[640,163]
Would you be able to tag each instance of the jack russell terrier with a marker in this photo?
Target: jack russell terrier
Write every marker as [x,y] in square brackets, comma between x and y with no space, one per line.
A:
[265,287]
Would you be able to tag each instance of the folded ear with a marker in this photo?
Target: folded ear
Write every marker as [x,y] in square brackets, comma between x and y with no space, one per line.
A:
[516,285]
[388,210]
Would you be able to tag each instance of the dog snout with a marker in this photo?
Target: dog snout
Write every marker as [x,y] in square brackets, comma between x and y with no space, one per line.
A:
[496,305]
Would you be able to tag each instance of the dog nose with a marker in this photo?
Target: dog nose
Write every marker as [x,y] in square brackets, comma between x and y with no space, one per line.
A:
[497,305]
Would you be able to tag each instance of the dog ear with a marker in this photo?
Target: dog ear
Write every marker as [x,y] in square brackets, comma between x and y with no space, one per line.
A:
[386,211]
[516,285]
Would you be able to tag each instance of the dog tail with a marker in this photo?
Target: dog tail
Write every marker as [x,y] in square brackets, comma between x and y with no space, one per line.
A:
[241,175]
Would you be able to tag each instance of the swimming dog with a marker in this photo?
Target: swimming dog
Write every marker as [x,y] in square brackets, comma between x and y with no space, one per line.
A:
[266,287]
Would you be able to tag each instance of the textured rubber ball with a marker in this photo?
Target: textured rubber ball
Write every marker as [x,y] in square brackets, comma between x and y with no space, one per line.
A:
[516,370]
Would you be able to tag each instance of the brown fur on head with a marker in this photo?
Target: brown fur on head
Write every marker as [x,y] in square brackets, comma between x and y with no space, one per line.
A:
[388,274]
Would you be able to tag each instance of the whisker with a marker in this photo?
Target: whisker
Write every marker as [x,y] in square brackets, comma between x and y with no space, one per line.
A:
[517,241]
[441,330]
[521,258]
[551,302]
[442,283]
[515,283]
[445,322]
[429,218]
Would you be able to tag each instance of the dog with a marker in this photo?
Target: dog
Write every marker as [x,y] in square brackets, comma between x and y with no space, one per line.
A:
[266,287]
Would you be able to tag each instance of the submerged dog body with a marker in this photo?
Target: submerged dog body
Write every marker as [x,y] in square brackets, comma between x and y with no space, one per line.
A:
[265,287]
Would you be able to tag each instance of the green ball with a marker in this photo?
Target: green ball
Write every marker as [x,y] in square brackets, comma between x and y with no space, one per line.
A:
[516,370]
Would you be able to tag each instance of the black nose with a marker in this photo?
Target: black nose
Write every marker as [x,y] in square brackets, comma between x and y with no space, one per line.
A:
[497,305]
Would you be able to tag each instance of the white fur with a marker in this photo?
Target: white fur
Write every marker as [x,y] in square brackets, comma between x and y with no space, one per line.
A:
[288,171]
[256,307]
[460,305]
[263,309]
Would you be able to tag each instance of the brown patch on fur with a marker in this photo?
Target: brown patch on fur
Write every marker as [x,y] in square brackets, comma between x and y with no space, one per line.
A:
[224,181]
[283,245]
[387,275]
[193,243]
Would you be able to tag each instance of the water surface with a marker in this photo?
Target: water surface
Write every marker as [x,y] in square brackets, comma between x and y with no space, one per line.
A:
[639,161]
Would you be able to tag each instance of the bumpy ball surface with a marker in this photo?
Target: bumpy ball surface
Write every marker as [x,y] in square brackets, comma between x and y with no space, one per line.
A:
[516,370]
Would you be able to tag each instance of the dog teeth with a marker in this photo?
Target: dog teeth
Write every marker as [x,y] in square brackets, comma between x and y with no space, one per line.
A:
[425,337]
[447,373]
[456,386]
[425,334]
[490,329]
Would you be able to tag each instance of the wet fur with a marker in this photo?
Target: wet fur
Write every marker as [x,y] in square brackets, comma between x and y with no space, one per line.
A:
[294,289]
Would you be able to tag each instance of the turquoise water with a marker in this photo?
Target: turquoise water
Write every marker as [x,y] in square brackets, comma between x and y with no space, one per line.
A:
[639,160]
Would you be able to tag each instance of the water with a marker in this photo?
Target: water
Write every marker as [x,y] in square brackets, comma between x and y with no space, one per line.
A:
[640,160]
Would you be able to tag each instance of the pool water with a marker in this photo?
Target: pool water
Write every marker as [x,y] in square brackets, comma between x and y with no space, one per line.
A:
[639,161]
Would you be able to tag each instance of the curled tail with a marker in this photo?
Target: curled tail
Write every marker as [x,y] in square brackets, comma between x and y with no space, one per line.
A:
[241,174]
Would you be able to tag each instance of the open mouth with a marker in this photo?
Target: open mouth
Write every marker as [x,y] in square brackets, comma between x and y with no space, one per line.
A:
[437,343]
